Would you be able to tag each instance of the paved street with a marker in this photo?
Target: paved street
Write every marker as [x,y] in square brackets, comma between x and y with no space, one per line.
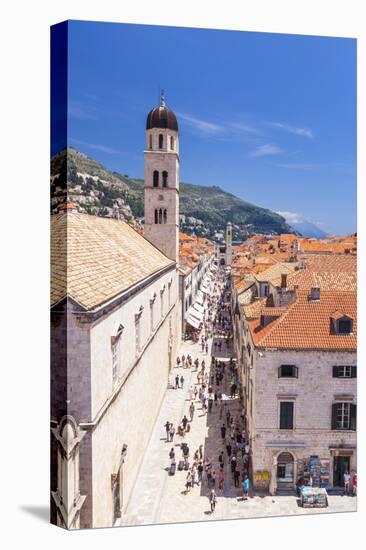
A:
[160,498]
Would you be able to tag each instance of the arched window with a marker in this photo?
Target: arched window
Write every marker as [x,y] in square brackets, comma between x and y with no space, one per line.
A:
[161,141]
[160,216]
[150,141]
[165,216]
[165,179]
[172,142]
[156,178]
[156,216]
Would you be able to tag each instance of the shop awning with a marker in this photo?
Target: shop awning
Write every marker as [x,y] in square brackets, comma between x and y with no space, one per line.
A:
[199,308]
[193,312]
[205,289]
[193,321]
[199,297]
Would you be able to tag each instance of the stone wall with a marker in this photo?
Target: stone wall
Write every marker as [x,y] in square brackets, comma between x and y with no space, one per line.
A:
[313,392]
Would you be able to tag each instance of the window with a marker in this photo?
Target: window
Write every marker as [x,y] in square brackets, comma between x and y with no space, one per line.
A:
[150,141]
[347,371]
[165,217]
[286,415]
[160,216]
[156,178]
[156,216]
[152,321]
[115,360]
[165,178]
[161,303]
[288,371]
[161,141]
[343,416]
[344,326]
[138,316]
[172,143]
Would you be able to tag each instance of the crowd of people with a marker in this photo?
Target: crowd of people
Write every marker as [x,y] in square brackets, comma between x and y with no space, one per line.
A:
[216,379]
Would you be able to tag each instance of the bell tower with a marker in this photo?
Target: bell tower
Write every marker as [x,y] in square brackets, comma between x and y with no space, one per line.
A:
[161,174]
[229,240]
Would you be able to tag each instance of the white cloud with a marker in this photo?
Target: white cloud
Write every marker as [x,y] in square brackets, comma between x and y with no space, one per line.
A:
[298,166]
[293,129]
[291,217]
[97,147]
[266,149]
[201,125]
[80,111]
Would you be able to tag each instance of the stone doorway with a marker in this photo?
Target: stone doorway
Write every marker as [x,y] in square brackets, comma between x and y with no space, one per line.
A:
[285,471]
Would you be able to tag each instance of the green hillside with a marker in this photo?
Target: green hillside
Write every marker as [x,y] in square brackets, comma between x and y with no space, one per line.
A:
[206,209]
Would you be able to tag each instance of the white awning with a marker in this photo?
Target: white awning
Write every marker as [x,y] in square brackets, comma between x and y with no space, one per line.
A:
[199,297]
[198,307]
[193,321]
[193,312]
[205,289]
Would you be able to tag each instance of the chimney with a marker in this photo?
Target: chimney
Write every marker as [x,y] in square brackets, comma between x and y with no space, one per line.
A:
[314,294]
[284,280]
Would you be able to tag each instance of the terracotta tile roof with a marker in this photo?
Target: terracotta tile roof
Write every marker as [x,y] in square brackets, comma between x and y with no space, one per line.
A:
[327,272]
[93,259]
[253,310]
[307,324]
[276,271]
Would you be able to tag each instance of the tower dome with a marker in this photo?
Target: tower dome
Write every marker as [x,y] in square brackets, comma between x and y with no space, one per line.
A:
[161,117]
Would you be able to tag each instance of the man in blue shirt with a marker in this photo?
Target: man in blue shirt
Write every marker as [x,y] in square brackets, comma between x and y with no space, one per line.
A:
[246,487]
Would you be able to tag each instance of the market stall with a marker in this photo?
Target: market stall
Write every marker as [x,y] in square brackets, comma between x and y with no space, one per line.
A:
[313,497]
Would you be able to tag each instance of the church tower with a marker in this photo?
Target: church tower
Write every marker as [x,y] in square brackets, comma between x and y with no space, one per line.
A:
[161,175]
[229,240]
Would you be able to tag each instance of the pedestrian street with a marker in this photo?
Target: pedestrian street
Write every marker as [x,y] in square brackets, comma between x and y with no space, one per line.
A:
[159,498]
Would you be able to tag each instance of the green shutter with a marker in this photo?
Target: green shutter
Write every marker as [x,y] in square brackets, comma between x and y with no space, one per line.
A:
[354,372]
[335,372]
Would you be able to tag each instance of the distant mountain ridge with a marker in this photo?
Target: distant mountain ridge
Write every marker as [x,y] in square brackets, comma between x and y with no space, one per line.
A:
[204,210]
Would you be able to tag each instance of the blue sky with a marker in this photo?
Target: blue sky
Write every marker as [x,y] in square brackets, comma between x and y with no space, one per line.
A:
[268,117]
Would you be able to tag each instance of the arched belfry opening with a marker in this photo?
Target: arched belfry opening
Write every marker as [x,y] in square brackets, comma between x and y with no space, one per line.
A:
[161,175]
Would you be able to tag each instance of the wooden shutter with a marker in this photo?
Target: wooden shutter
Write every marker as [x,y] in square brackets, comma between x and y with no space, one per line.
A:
[334,416]
[295,372]
[286,415]
[352,417]
[335,372]
[353,372]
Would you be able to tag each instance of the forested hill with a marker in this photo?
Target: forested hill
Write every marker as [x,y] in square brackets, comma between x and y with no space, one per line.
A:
[204,210]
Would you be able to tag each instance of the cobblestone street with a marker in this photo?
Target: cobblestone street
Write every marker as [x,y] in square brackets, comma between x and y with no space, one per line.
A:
[160,498]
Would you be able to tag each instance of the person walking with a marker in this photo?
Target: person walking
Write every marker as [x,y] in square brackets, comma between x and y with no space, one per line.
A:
[221,460]
[354,484]
[195,393]
[236,477]
[171,432]
[206,348]
[223,432]
[185,422]
[181,381]
[178,362]
[346,479]
[221,480]
[245,487]
[188,481]
[167,429]
[210,402]
[191,410]
[200,450]
[177,382]
[228,449]
[213,500]
[200,472]
[172,456]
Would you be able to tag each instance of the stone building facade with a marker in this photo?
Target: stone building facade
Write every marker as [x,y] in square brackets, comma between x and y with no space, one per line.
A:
[296,349]
[115,330]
